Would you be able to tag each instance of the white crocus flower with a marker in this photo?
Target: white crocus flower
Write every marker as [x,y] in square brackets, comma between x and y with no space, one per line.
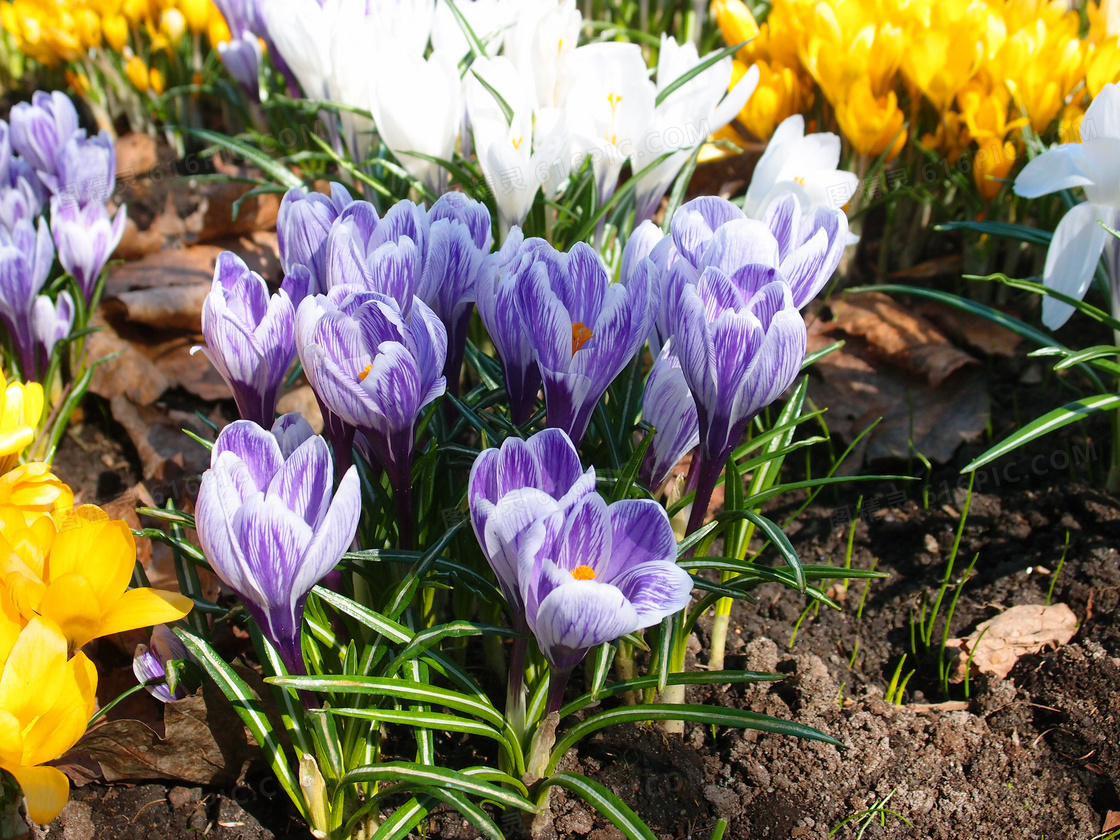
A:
[608,98]
[301,31]
[488,19]
[544,34]
[1093,165]
[503,145]
[407,24]
[350,83]
[685,118]
[418,107]
[804,164]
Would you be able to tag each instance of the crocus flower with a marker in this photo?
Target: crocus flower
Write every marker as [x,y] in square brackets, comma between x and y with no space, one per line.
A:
[19,418]
[150,663]
[496,296]
[299,31]
[270,528]
[51,322]
[384,256]
[26,256]
[46,700]
[78,577]
[418,107]
[583,331]
[249,335]
[805,165]
[488,19]
[87,170]
[459,243]
[1078,242]
[668,406]
[303,224]
[85,238]
[41,129]
[34,491]
[684,119]
[540,42]
[593,574]
[546,462]
[741,343]
[21,192]
[375,369]
[242,54]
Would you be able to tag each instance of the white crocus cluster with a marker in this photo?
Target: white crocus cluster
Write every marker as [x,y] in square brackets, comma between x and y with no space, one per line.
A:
[536,107]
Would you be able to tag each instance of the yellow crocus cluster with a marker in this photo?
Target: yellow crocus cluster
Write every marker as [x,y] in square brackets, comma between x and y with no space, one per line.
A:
[64,580]
[958,74]
[60,32]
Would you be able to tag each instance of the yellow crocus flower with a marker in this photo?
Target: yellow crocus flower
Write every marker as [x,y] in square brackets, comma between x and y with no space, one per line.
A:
[78,576]
[173,25]
[873,124]
[115,30]
[780,94]
[23,406]
[736,24]
[197,13]
[35,491]
[137,72]
[218,30]
[45,703]
[155,79]
[89,28]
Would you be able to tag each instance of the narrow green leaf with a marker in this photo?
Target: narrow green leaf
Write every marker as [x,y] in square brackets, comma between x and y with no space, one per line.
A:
[276,171]
[441,778]
[1005,230]
[682,678]
[709,60]
[606,803]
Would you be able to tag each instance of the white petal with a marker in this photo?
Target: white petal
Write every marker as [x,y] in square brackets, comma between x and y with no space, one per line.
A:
[1072,259]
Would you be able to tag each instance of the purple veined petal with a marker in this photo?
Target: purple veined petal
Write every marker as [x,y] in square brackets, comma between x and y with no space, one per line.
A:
[217,509]
[720,292]
[516,467]
[253,446]
[812,264]
[428,339]
[39,130]
[584,546]
[297,284]
[86,169]
[546,321]
[558,462]
[736,338]
[783,218]
[750,279]
[696,221]
[146,666]
[339,389]
[578,616]
[452,269]
[644,238]
[460,207]
[588,285]
[668,405]
[640,532]
[334,535]
[274,542]
[620,330]
[305,480]
[245,291]
[393,270]
[655,590]
[522,524]
[740,243]
[482,490]
[403,219]
[393,384]
[290,431]
[692,339]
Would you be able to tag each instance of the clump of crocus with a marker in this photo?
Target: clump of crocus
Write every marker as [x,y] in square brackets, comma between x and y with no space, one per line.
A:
[270,525]
[586,572]
[302,226]
[375,367]
[26,256]
[250,335]
[74,569]
[23,406]
[46,699]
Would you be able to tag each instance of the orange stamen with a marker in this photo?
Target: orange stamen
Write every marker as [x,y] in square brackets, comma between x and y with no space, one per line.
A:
[583,573]
[364,373]
[580,336]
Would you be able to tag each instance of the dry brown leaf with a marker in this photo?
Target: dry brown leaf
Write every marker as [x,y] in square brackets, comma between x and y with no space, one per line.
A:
[998,643]
[130,373]
[892,333]
[302,399]
[165,452]
[974,330]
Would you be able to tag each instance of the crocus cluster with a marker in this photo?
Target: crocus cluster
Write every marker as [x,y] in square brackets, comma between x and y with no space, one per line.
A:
[574,570]
[47,160]
[538,104]
[64,580]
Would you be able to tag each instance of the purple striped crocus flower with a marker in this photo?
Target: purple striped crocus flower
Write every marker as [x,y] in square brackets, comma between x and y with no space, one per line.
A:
[249,335]
[668,406]
[496,297]
[51,322]
[375,368]
[85,238]
[41,129]
[272,528]
[583,331]
[87,170]
[303,224]
[379,255]
[459,241]
[592,574]
[26,256]
[150,663]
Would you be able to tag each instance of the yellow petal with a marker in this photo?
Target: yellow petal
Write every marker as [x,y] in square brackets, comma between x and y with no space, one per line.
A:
[15,439]
[11,740]
[10,625]
[71,602]
[103,551]
[45,789]
[143,608]
[63,724]
[35,669]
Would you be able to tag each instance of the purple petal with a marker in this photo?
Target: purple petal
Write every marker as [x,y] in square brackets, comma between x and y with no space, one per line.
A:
[655,590]
[576,617]
[252,445]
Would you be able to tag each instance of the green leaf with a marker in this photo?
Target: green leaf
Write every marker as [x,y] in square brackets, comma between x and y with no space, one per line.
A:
[507,110]
[1049,422]
[1036,288]
[452,630]
[249,709]
[421,776]
[276,171]
[707,715]
[475,44]
[606,803]
[405,818]
[375,621]
[814,357]
[681,678]
[630,471]
[781,542]
[1005,230]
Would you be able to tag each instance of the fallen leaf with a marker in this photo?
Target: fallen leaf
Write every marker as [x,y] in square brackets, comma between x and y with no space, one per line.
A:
[165,452]
[998,643]
[976,331]
[302,400]
[130,374]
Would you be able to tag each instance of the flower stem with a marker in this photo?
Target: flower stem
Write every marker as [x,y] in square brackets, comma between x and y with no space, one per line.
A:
[558,681]
[708,474]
